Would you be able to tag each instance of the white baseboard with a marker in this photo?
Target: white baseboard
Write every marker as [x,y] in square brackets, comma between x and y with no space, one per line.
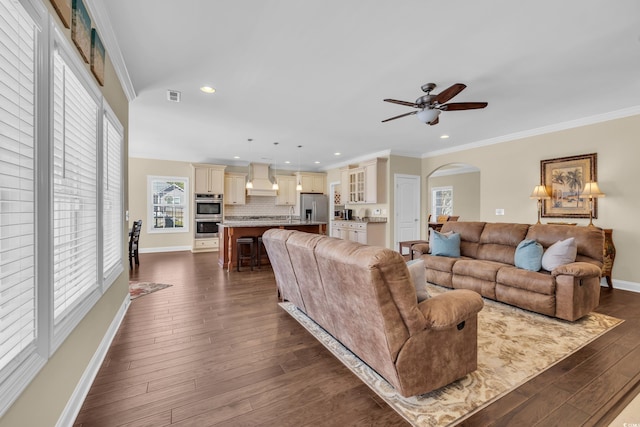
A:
[624,285]
[68,416]
[165,249]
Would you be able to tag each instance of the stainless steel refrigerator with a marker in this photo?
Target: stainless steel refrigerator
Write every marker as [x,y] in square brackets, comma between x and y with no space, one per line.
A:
[314,207]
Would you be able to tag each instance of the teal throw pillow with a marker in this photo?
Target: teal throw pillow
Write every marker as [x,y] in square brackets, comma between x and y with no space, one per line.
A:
[529,255]
[445,245]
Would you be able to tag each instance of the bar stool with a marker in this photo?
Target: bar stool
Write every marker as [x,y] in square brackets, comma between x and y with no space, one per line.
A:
[243,243]
[262,252]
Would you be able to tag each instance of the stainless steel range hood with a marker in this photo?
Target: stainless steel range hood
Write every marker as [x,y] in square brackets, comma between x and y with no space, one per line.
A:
[259,176]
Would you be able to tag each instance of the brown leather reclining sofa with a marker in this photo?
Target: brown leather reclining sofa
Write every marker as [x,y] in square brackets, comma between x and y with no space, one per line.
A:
[486,265]
[364,296]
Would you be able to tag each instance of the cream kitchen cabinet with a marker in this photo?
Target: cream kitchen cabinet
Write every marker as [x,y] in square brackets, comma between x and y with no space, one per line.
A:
[208,179]
[312,182]
[206,245]
[368,233]
[366,183]
[344,185]
[287,194]
[234,188]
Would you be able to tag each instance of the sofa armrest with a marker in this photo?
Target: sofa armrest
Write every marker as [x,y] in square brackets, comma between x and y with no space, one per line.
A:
[577,269]
[420,248]
[447,310]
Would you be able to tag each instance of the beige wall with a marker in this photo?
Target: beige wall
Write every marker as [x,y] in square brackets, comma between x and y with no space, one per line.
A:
[43,401]
[466,194]
[139,169]
[510,170]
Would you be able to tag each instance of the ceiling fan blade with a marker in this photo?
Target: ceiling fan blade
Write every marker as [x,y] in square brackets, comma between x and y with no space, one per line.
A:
[401,115]
[450,92]
[407,103]
[456,106]
[434,121]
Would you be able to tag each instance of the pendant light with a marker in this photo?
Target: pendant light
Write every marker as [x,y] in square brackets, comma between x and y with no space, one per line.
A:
[299,186]
[275,168]
[249,184]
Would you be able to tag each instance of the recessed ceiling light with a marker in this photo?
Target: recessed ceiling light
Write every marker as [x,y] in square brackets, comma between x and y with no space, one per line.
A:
[207,89]
[336,154]
[444,136]
[287,162]
[316,162]
[236,157]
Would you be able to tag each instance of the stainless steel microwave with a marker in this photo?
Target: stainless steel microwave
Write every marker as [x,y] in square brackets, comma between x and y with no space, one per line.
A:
[208,206]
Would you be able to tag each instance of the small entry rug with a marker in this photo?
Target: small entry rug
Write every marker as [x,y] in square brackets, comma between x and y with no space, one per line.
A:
[514,345]
[136,290]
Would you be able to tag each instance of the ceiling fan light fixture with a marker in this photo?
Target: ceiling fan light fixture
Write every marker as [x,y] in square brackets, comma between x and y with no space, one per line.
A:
[428,115]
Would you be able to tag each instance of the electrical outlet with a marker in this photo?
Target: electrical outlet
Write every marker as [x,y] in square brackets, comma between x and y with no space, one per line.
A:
[499,211]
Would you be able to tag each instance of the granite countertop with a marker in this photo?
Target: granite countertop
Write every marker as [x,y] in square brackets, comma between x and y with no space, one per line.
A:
[365,219]
[266,222]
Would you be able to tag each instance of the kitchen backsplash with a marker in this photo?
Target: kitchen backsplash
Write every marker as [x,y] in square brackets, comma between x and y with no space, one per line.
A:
[257,206]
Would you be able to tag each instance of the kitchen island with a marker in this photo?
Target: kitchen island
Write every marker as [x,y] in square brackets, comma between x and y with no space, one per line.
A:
[230,231]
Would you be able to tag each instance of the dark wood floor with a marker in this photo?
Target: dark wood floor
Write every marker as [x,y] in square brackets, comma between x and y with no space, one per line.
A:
[215,349]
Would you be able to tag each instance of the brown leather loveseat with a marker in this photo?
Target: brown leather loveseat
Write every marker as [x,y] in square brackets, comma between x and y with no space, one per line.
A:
[365,298]
[486,265]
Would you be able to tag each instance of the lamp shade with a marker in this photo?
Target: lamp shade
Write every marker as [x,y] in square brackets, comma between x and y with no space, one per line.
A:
[428,115]
[540,192]
[591,190]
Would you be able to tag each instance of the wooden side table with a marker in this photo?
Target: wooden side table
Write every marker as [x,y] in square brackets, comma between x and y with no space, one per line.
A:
[408,244]
[609,252]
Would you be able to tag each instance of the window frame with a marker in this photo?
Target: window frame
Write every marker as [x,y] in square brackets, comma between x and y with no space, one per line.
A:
[435,209]
[150,205]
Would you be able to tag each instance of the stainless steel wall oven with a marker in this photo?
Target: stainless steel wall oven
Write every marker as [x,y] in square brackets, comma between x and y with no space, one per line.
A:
[206,228]
[208,214]
[208,206]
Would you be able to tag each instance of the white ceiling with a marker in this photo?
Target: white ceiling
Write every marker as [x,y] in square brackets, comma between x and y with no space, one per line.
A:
[315,73]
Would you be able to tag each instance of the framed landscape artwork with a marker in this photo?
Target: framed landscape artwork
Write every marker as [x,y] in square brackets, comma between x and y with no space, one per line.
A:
[97,57]
[564,179]
[63,8]
[81,29]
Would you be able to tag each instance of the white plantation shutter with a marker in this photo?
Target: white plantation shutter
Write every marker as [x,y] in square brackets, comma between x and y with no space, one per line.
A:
[75,230]
[112,196]
[17,192]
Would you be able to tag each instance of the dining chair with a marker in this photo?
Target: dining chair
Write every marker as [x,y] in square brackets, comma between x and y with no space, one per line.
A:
[134,241]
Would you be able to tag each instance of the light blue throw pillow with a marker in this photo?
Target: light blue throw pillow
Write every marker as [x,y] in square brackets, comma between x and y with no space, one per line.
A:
[445,244]
[529,255]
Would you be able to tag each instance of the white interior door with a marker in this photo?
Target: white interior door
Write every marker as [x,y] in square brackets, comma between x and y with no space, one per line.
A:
[406,208]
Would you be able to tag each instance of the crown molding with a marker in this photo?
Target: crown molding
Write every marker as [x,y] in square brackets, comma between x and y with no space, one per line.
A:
[585,121]
[102,23]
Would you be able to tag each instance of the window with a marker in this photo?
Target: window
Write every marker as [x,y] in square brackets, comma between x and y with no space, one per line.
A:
[442,201]
[75,192]
[168,209]
[17,186]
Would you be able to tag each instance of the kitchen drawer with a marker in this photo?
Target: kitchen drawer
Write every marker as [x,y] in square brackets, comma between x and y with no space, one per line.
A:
[206,243]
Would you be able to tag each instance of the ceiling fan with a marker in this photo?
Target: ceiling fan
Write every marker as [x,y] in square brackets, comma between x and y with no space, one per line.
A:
[431,105]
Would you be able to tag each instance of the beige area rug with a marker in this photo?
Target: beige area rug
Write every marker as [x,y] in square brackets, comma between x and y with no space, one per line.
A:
[136,290]
[514,345]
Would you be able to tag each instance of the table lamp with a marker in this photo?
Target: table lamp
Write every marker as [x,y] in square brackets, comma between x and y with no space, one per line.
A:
[539,192]
[591,190]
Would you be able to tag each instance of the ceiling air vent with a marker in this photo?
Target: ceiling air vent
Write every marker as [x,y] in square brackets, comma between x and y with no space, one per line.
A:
[173,95]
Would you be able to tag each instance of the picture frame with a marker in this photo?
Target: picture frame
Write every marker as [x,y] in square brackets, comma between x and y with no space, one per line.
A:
[63,9]
[97,57]
[81,29]
[564,178]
